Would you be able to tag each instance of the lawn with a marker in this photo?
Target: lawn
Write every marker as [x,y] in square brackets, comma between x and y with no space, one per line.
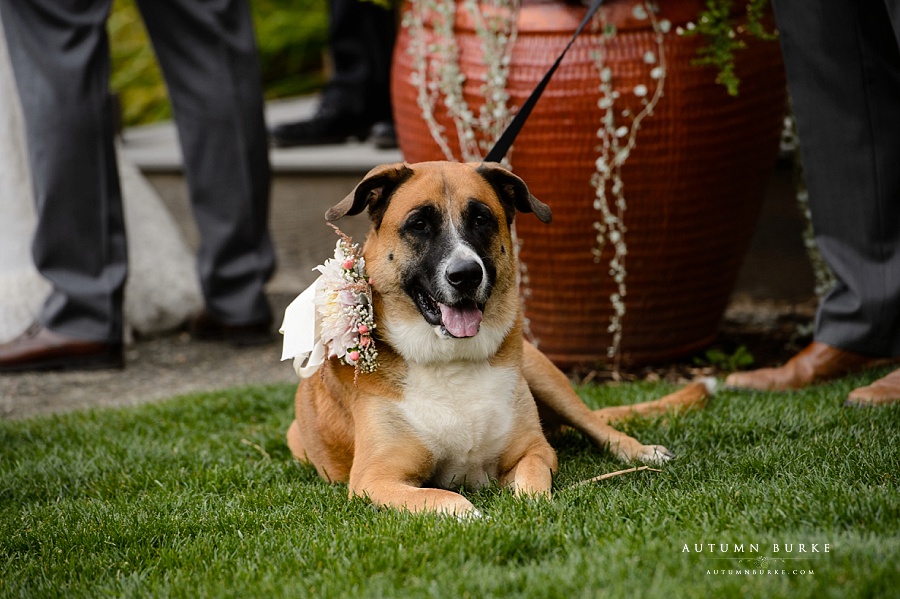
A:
[198,496]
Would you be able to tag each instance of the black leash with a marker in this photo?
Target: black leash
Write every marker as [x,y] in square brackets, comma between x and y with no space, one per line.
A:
[498,152]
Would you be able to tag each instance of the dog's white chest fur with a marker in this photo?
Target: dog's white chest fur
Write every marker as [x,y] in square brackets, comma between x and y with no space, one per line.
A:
[463,413]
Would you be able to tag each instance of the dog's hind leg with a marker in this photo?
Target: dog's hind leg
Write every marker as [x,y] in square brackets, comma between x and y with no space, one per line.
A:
[693,396]
[557,400]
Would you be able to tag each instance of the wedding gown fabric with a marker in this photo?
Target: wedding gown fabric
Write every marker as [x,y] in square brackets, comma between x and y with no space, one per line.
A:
[162,290]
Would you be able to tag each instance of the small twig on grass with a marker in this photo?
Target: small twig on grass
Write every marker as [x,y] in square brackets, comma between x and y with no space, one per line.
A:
[257,448]
[597,479]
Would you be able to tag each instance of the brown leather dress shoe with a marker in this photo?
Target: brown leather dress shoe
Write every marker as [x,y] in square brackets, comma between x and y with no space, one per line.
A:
[883,392]
[206,327]
[39,348]
[816,363]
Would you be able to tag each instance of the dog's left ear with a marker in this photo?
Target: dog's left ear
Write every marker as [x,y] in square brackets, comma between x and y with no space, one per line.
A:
[373,191]
[513,192]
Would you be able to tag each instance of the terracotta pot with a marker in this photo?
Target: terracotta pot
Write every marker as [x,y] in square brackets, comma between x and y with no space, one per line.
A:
[694,182]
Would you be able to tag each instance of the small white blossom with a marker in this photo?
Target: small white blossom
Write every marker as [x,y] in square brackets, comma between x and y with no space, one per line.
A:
[640,90]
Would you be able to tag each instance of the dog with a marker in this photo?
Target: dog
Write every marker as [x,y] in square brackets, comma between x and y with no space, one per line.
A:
[459,397]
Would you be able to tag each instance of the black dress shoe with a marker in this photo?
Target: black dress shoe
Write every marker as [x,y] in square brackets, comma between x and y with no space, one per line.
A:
[384,135]
[206,327]
[39,348]
[332,124]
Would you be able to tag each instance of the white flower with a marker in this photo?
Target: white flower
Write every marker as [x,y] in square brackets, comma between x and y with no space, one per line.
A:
[640,90]
[649,57]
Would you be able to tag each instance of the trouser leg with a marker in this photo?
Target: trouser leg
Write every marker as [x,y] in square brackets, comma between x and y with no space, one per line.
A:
[361,41]
[209,59]
[60,57]
[843,68]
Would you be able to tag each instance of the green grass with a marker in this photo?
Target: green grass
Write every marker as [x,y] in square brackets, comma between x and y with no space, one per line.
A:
[198,496]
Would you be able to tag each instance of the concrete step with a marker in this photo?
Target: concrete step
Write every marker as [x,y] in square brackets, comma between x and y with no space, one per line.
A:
[308,181]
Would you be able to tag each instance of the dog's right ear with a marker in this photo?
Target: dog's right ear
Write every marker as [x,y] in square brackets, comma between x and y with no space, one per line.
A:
[512,192]
[373,191]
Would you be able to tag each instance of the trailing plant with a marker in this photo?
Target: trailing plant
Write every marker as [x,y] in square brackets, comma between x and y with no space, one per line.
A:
[438,80]
[722,29]
[619,125]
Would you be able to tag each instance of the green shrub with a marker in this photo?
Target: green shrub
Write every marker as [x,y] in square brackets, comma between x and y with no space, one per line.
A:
[292,35]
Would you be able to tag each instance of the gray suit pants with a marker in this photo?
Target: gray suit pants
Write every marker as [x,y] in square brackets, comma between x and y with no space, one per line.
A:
[843,67]
[207,52]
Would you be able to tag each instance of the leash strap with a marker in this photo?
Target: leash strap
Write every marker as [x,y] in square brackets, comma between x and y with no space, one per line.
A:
[498,152]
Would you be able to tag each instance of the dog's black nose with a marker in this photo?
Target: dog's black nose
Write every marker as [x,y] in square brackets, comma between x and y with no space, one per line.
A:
[465,275]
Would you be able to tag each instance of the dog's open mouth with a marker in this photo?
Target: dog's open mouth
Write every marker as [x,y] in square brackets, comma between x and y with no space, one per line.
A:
[460,320]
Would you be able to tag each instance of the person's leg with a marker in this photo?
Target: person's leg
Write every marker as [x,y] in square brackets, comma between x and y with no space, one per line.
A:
[60,57]
[361,40]
[361,37]
[208,56]
[843,69]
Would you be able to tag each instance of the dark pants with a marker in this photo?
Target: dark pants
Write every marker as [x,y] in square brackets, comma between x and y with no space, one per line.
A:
[207,51]
[361,40]
[843,67]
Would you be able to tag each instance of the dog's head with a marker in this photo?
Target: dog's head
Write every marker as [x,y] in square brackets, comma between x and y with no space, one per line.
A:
[440,254]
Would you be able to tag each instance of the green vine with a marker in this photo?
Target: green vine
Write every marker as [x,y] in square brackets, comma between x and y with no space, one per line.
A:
[722,29]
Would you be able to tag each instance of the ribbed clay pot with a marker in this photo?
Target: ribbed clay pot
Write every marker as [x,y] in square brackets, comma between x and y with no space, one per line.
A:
[694,182]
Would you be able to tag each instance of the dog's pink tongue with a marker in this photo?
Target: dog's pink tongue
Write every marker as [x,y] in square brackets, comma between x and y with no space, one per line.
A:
[461,322]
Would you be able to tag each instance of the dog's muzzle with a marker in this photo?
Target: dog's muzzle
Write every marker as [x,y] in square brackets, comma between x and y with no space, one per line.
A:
[459,310]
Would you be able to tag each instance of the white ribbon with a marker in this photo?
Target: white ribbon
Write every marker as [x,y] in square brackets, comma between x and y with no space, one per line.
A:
[302,333]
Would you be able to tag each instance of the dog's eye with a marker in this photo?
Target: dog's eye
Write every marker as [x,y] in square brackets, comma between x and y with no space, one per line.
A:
[480,220]
[418,224]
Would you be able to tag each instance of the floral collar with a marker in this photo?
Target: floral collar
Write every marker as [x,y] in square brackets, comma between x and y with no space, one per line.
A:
[333,317]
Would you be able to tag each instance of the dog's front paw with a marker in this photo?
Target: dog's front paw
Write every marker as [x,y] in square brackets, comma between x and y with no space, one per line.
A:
[654,454]
[648,454]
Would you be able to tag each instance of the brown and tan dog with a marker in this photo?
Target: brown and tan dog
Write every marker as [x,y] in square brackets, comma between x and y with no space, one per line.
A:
[458,397]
